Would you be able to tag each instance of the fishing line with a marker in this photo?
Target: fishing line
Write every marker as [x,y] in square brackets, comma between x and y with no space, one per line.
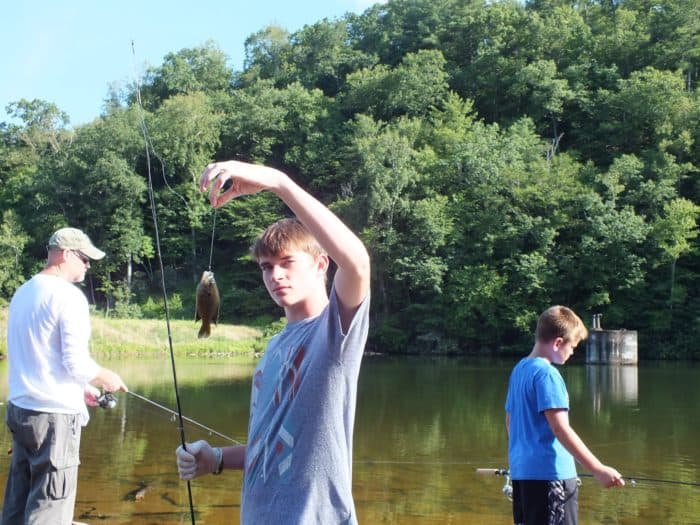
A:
[185,418]
[211,248]
[225,187]
[154,213]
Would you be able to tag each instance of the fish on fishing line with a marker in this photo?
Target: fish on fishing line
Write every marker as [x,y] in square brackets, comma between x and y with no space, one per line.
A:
[207,303]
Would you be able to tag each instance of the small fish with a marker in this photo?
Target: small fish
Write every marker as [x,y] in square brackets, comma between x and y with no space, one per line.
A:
[207,303]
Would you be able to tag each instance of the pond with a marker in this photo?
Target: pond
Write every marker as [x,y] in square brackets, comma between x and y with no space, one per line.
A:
[423,427]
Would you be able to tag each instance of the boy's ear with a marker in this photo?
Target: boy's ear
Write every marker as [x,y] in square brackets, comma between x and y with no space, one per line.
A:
[556,343]
[323,262]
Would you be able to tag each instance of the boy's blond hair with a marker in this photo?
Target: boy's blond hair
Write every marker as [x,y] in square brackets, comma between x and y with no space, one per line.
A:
[560,321]
[283,236]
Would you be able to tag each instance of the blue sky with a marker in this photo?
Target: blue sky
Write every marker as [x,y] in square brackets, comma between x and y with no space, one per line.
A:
[69,52]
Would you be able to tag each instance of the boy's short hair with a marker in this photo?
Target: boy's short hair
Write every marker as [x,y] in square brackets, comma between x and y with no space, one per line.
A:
[283,236]
[560,321]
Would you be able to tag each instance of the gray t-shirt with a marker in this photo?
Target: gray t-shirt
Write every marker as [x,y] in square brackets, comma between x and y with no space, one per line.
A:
[298,466]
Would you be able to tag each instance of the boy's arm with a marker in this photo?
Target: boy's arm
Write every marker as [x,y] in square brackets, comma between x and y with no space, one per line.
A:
[343,246]
[234,457]
[558,420]
[199,458]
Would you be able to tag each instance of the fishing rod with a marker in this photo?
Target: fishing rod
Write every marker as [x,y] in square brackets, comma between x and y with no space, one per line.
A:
[633,480]
[107,400]
[154,213]
[185,418]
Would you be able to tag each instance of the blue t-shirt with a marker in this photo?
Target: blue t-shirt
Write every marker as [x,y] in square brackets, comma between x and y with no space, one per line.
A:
[533,451]
[298,465]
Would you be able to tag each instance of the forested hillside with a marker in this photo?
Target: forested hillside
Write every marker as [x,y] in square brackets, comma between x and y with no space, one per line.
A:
[496,157]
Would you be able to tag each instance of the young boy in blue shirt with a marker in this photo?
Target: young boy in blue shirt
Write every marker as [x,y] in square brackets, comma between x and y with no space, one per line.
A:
[542,446]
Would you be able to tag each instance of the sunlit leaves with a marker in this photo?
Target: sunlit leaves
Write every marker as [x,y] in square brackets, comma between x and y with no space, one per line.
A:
[677,227]
[412,88]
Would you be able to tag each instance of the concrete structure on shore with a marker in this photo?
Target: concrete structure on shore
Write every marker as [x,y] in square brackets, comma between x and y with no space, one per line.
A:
[615,347]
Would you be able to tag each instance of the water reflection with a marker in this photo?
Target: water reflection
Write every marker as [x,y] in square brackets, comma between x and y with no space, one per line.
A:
[423,426]
[614,383]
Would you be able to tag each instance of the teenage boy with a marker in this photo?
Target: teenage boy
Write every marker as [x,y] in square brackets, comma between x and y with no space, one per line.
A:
[298,459]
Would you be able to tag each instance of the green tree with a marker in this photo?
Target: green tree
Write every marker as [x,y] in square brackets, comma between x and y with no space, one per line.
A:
[36,149]
[102,193]
[12,242]
[264,55]
[321,57]
[648,109]
[411,88]
[674,232]
[43,124]
[190,70]
[543,93]
[185,133]
[674,28]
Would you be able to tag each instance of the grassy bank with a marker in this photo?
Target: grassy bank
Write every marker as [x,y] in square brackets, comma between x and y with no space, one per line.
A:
[149,337]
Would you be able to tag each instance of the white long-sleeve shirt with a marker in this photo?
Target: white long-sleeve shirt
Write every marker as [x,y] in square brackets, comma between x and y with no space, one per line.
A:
[48,330]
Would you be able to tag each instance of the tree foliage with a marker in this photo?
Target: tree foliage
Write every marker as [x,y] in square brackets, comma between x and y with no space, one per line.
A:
[496,157]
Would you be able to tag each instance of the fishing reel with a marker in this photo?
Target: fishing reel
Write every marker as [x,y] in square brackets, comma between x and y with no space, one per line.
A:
[107,400]
[508,488]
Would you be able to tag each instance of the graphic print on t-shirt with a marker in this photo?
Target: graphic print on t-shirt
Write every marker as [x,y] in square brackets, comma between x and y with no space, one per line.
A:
[274,437]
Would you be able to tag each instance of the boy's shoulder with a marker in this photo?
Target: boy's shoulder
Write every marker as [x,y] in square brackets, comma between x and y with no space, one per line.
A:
[534,366]
[530,362]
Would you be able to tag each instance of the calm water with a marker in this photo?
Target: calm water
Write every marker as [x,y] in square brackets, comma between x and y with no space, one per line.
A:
[423,427]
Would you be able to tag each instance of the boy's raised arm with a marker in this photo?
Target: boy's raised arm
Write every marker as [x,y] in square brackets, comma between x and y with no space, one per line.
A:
[343,246]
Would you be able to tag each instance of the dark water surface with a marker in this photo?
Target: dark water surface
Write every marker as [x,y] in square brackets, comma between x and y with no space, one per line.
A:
[423,427]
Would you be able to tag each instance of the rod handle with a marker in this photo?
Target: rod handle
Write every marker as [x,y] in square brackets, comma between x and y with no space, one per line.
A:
[491,471]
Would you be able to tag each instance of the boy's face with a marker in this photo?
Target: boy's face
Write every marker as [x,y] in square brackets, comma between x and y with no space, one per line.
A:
[563,350]
[290,277]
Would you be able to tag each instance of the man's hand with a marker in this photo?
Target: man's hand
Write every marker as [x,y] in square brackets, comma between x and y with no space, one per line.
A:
[91,395]
[110,381]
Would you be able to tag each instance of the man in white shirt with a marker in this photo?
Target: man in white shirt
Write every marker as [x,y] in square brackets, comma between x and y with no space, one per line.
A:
[52,378]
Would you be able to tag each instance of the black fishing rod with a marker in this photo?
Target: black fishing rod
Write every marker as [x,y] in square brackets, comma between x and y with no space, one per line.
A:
[633,480]
[154,213]
[636,479]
